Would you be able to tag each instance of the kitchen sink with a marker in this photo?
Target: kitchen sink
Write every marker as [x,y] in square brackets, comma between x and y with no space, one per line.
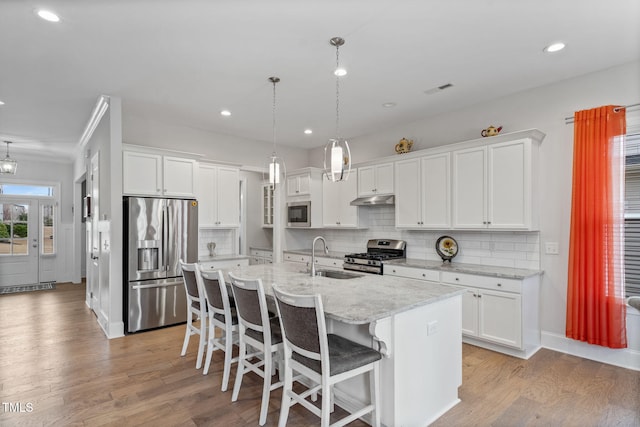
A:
[337,274]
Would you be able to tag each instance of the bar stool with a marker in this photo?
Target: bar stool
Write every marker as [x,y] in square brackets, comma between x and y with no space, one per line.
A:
[325,359]
[259,332]
[222,315]
[195,306]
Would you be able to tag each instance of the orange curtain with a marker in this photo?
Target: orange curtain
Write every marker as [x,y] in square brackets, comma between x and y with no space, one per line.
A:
[596,311]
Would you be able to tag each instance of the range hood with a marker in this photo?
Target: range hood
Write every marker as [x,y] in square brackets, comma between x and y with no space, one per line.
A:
[389,199]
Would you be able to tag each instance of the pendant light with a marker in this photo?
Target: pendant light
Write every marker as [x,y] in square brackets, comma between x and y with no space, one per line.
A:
[8,165]
[337,156]
[276,168]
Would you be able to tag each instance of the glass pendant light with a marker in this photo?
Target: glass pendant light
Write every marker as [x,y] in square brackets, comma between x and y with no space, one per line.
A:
[276,168]
[8,165]
[337,156]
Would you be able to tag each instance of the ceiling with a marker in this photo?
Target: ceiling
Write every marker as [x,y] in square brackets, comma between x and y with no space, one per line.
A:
[184,61]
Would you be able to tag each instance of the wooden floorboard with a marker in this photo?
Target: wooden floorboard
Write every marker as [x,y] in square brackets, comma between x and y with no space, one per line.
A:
[55,359]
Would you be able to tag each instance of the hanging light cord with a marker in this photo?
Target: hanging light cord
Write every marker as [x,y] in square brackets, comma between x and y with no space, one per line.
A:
[274,80]
[337,92]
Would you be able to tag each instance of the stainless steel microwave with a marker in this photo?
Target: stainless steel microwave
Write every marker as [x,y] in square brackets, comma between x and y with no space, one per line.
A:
[299,214]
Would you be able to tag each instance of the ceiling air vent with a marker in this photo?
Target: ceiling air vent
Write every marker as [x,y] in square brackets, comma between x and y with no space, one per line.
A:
[438,89]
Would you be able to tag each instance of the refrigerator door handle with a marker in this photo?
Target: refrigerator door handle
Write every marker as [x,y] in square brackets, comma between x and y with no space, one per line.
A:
[156,285]
[165,236]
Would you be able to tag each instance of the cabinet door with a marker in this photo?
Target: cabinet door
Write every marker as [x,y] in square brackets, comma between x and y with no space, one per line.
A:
[384,178]
[408,194]
[179,177]
[141,174]
[348,192]
[331,200]
[366,181]
[298,185]
[228,197]
[206,195]
[435,194]
[469,188]
[500,318]
[509,185]
[470,312]
[267,205]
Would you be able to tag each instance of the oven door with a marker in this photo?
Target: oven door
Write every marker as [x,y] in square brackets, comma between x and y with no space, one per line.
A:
[299,214]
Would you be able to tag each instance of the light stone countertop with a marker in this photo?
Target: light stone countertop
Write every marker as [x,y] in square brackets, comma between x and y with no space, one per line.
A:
[482,270]
[359,300]
[207,258]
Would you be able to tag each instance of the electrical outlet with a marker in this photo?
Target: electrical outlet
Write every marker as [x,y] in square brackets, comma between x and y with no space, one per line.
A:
[432,327]
[551,248]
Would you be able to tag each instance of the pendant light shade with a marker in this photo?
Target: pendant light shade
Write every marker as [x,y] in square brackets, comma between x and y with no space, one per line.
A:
[276,168]
[337,156]
[8,166]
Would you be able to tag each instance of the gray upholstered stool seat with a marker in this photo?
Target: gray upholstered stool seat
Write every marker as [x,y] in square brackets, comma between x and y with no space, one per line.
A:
[344,355]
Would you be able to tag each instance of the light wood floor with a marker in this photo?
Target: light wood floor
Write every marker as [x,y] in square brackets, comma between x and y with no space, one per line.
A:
[59,369]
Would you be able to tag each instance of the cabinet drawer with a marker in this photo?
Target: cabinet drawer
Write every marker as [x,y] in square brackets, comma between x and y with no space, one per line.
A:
[412,273]
[329,262]
[483,282]
[296,257]
[230,263]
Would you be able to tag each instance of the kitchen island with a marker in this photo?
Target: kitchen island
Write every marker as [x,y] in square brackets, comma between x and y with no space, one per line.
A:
[415,325]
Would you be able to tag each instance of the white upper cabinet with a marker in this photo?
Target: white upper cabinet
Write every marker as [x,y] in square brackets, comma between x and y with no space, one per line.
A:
[423,192]
[337,211]
[218,196]
[493,186]
[150,174]
[299,185]
[267,205]
[376,179]
[179,176]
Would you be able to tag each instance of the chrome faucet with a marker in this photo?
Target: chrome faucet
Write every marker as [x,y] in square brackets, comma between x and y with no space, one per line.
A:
[313,253]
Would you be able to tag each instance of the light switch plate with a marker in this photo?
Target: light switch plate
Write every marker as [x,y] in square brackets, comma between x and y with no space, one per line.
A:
[551,248]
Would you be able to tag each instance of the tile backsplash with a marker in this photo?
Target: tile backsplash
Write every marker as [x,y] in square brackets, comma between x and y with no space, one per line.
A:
[224,240]
[495,248]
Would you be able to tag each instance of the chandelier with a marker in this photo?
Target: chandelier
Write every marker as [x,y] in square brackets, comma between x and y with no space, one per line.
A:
[8,165]
[337,156]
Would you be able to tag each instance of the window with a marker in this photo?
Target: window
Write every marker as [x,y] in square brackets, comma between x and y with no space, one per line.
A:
[26,190]
[632,216]
[14,229]
[47,242]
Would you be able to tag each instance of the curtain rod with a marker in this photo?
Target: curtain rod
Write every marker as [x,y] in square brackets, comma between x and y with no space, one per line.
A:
[569,120]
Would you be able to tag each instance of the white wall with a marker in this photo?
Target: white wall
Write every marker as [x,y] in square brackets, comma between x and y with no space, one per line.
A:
[214,147]
[544,108]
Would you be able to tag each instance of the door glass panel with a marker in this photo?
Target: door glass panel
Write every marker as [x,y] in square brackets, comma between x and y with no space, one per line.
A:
[14,229]
[48,242]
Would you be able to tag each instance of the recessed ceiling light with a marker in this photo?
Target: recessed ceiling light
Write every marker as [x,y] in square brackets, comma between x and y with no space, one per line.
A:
[340,72]
[308,131]
[225,113]
[47,15]
[389,104]
[1,103]
[554,47]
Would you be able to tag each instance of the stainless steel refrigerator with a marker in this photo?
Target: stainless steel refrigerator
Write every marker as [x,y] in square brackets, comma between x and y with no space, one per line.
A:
[158,233]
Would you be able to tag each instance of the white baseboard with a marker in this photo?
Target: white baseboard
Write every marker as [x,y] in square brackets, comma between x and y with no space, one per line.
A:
[625,357]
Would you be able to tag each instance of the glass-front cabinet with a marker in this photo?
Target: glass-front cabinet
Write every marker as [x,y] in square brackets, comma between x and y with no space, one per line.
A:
[267,205]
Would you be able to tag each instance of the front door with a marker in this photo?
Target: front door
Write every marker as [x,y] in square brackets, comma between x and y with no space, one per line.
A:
[19,247]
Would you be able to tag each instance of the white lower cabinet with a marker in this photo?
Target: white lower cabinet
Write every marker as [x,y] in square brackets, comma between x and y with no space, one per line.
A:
[293,257]
[329,262]
[223,263]
[260,256]
[499,314]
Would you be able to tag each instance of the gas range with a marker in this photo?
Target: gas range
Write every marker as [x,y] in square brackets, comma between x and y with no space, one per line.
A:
[378,251]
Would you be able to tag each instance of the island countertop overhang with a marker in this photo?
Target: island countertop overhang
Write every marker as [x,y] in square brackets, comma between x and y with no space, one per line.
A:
[358,300]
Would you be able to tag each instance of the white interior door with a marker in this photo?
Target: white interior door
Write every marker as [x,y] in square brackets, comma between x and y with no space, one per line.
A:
[93,237]
[19,251]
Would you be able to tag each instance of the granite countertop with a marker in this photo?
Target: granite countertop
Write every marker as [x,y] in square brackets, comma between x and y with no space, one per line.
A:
[207,258]
[483,270]
[258,248]
[359,300]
